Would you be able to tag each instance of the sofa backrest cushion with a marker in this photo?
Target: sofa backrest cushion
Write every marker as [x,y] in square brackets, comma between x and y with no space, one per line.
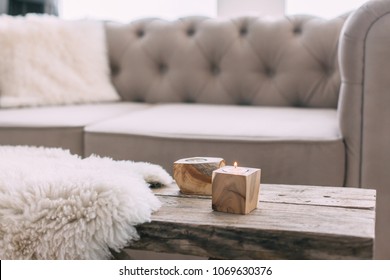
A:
[290,61]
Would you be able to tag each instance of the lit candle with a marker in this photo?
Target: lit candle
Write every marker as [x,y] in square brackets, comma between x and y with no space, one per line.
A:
[235,169]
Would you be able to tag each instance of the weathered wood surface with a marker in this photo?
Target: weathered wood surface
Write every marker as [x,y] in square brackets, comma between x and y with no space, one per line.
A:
[291,222]
[193,175]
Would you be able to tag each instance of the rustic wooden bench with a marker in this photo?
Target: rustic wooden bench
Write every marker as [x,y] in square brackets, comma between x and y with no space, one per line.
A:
[291,222]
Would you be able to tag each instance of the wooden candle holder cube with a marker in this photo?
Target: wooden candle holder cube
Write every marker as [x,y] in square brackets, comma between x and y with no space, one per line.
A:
[235,192]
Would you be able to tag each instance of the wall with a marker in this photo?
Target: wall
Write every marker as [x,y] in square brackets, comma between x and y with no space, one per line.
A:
[127,10]
[325,9]
[231,8]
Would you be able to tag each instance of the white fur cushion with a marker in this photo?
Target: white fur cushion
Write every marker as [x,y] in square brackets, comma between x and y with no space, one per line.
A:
[48,61]
[54,205]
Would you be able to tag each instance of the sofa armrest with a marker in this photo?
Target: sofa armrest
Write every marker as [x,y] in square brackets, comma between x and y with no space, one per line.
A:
[363,107]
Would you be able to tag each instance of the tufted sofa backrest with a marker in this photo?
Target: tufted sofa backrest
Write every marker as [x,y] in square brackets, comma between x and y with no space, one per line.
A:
[290,61]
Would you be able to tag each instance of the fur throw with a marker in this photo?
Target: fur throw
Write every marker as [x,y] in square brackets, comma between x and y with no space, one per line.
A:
[48,61]
[54,205]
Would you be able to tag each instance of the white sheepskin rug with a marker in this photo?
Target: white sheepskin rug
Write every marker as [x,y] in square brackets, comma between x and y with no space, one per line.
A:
[54,205]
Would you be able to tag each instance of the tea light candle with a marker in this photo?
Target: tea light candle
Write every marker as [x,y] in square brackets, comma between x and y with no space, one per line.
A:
[235,189]
[235,169]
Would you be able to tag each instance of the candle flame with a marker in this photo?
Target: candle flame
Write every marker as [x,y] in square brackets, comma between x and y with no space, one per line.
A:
[235,164]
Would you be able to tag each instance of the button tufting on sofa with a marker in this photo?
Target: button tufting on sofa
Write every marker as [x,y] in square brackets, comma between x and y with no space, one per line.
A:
[327,70]
[243,31]
[140,33]
[190,31]
[269,72]
[214,69]
[162,68]
[297,30]
[115,70]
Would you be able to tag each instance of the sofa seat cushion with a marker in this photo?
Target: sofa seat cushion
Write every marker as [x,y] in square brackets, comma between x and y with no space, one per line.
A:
[57,126]
[290,145]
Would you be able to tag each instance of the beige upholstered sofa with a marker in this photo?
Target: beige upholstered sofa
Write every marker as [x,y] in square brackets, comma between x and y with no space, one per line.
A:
[304,99]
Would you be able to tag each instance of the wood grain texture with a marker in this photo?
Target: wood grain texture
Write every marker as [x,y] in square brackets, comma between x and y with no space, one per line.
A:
[235,193]
[291,222]
[193,175]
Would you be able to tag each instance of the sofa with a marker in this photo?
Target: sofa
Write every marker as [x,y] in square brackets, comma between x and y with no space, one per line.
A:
[304,99]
